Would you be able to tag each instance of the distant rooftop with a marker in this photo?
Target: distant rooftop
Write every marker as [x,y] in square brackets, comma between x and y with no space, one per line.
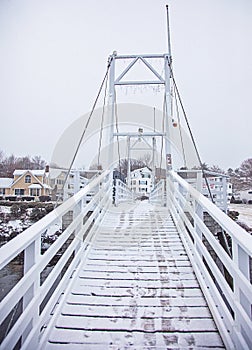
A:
[19,172]
[5,182]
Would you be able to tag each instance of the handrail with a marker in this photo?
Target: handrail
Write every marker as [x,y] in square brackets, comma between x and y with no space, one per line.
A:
[121,192]
[157,195]
[225,276]
[31,290]
[20,242]
[236,231]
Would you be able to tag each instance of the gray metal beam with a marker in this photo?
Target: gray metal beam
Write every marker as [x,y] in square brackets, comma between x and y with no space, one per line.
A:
[144,82]
[136,134]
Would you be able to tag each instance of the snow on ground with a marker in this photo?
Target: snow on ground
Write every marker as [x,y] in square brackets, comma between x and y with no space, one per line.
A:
[15,224]
[52,229]
[4,209]
[7,229]
[245,212]
[10,228]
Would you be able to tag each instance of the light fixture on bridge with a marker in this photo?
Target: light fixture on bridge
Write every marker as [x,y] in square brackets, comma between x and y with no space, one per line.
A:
[174,123]
[140,132]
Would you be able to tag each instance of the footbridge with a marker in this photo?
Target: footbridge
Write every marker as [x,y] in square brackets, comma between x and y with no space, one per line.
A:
[131,274]
[169,272]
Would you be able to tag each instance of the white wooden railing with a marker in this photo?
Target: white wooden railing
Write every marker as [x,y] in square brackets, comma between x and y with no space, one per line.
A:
[157,195]
[214,182]
[224,274]
[121,192]
[36,297]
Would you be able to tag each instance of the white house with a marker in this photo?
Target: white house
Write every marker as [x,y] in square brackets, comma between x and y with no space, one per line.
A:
[141,181]
[74,183]
[217,186]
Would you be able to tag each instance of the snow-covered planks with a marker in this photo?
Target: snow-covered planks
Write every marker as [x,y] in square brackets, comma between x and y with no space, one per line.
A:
[135,290]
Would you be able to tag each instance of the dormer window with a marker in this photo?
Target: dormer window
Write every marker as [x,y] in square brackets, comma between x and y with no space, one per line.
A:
[28,179]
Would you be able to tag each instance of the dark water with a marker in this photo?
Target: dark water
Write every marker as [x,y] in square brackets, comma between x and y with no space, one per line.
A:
[9,276]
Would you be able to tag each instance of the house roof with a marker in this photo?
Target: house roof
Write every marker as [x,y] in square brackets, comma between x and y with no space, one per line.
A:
[54,173]
[38,172]
[24,172]
[140,170]
[35,186]
[5,182]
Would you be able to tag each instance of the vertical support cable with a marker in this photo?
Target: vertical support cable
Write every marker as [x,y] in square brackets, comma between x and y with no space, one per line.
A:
[111,110]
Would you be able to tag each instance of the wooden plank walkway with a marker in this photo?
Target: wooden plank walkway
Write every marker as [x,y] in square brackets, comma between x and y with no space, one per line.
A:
[135,290]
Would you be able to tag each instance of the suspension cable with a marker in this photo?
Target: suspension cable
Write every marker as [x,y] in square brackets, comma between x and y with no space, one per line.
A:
[85,127]
[190,131]
[180,129]
[225,242]
[102,123]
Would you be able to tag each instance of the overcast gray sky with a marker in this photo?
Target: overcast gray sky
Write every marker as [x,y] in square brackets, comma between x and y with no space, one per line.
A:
[54,55]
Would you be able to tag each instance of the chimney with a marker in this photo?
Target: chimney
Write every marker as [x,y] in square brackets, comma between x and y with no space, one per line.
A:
[47,169]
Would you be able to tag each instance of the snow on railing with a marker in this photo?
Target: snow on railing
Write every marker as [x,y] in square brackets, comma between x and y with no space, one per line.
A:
[35,296]
[121,192]
[221,254]
[157,195]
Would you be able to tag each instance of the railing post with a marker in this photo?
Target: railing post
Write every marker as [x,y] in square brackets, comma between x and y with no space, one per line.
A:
[167,189]
[199,180]
[224,194]
[163,198]
[241,259]
[199,216]
[76,211]
[31,255]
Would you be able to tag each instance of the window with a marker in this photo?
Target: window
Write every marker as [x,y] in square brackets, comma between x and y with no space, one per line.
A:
[19,191]
[28,179]
[141,182]
[2,191]
[34,192]
[146,176]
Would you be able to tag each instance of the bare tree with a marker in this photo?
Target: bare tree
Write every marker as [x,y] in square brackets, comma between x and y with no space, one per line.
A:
[38,162]
[204,166]
[216,169]
[134,164]
[245,172]
[95,166]
[146,159]
[10,163]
